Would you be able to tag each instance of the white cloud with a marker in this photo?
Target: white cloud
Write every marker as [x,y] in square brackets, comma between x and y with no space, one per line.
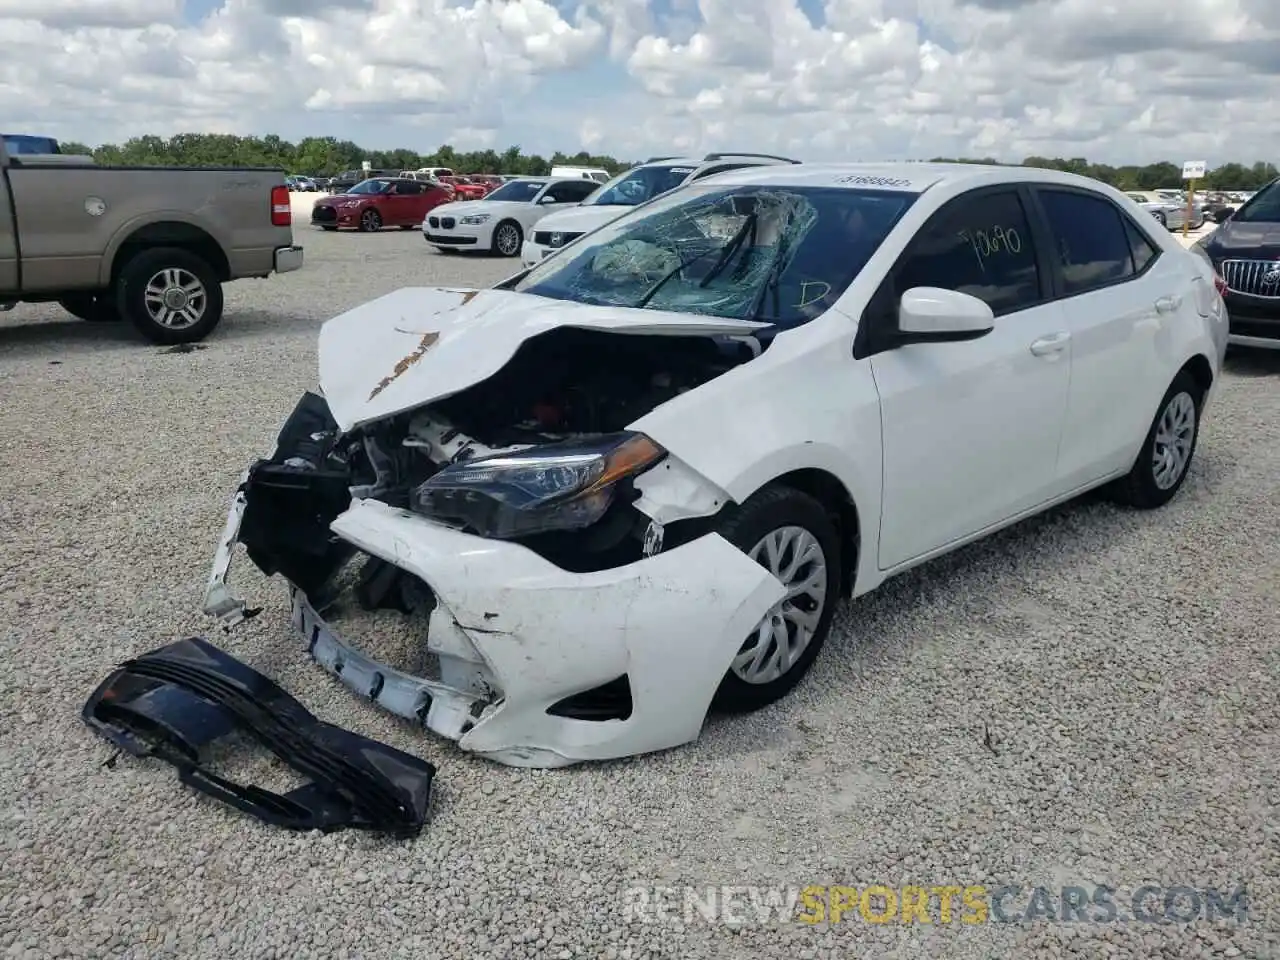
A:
[1141,80]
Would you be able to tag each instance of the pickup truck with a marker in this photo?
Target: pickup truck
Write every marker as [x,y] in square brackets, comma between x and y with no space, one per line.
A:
[151,245]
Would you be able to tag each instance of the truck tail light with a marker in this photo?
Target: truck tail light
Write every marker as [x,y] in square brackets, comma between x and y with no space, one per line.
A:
[281,209]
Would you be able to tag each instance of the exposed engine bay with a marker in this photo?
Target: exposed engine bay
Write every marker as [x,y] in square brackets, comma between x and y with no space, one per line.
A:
[568,386]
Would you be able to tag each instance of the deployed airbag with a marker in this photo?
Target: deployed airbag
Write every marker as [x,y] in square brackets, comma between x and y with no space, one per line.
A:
[176,702]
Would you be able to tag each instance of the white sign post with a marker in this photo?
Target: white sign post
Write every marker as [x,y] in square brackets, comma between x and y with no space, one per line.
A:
[367,165]
[1192,170]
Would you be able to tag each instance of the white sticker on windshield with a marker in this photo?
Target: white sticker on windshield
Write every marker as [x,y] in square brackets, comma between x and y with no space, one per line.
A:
[860,181]
[682,169]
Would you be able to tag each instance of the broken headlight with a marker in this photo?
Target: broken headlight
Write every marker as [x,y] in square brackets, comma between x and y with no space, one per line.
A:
[560,486]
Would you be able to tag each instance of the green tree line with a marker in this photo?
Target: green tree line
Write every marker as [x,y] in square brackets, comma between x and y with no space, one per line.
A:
[328,156]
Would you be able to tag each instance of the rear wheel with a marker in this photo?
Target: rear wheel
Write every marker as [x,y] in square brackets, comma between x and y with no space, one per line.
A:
[94,307]
[370,221]
[793,536]
[170,294]
[1165,458]
[507,238]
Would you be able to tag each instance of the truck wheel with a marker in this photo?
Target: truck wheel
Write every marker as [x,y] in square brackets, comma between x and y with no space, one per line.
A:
[94,307]
[170,295]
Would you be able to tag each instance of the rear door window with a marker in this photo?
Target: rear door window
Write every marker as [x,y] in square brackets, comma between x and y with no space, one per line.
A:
[1090,242]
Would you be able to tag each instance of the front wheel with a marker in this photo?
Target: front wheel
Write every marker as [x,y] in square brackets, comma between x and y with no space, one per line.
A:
[507,238]
[370,221]
[171,295]
[1165,458]
[793,536]
[1161,218]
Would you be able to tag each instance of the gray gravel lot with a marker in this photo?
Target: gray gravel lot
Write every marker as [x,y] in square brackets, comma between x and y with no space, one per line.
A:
[1124,665]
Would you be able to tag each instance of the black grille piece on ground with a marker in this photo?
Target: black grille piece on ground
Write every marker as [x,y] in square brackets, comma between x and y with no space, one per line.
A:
[175,702]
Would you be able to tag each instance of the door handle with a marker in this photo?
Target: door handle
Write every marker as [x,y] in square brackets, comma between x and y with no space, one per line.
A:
[1168,304]
[1054,343]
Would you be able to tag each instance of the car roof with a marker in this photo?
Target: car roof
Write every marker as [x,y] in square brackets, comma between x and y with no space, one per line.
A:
[904,176]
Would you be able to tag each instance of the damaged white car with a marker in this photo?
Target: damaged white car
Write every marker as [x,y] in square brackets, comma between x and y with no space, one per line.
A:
[631,484]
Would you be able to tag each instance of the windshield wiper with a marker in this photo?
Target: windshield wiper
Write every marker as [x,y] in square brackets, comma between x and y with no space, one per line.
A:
[727,251]
[772,279]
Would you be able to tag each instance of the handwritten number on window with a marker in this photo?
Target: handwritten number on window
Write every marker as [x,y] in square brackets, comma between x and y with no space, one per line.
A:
[986,244]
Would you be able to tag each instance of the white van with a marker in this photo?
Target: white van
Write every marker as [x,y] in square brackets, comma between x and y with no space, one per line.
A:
[583,173]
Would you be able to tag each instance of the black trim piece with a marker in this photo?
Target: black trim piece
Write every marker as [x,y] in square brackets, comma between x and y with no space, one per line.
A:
[176,702]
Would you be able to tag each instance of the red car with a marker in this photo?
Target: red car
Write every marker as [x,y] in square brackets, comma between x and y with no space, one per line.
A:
[489,181]
[380,202]
[464,188]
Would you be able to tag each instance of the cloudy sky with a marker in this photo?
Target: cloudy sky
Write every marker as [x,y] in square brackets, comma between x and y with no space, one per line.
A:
[1111,80]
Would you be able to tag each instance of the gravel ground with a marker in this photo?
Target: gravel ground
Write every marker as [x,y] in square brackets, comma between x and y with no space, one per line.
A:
[1088,698]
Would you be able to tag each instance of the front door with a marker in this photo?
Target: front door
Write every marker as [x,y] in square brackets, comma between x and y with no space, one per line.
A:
[971,429]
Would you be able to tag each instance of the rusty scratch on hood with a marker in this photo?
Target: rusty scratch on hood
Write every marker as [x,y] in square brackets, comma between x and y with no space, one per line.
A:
[426,343]
[428,340]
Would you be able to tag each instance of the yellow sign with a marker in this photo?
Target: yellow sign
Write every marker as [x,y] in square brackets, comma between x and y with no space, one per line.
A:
[881,904]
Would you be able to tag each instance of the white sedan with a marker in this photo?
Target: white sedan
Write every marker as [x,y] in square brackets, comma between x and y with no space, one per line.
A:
[499,223]
[631,484]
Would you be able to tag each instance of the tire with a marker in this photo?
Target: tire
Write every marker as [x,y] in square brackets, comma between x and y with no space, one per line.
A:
[1156,476]
[94,307]
[1161,218]
[370,221]
[787,515]
[507,239]
[150,276]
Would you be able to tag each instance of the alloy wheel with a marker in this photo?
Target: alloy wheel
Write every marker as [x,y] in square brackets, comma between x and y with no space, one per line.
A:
[1175,431]
[175,298]
[507,240]
[795,557]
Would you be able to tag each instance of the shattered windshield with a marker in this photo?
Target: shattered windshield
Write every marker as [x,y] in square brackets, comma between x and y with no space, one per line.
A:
[779,254]
[637,186]
[519,191]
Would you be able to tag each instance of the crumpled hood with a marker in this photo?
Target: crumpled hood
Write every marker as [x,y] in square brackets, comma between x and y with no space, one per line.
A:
[421,344]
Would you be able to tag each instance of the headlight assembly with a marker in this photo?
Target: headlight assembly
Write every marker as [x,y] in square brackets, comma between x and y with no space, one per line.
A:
[475,218]
[561,486]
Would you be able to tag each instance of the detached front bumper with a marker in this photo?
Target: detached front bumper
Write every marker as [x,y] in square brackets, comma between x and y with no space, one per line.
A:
[521,643]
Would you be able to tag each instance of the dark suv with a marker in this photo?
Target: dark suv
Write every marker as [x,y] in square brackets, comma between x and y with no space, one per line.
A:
[1245,251]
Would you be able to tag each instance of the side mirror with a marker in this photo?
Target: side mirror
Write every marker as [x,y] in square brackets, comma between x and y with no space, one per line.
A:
[1223,215]
[936,315]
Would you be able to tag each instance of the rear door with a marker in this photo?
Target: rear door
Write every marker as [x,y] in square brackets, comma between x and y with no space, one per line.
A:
[971,429]
[1121,295]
